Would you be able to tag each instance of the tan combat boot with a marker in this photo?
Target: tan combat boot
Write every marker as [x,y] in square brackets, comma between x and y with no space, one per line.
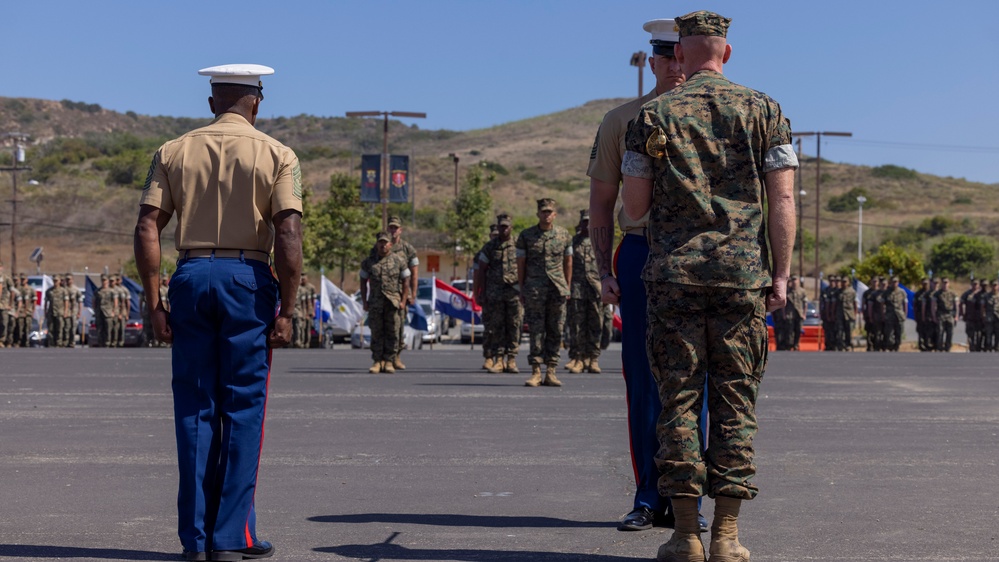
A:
[535,379]
[550,378]
[725,545]
[685,544]
[488,364]
[511,365]
[497,365]
[397,364]
[376,368]
[574,366]
[388,367]
[593,367]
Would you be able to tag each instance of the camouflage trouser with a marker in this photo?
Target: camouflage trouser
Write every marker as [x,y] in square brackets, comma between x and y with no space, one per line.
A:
[55,330]
[502,324]
[107,331]
[488,341]
[693,331]
[847,333]
[585,325]
[973,330]
[299,329]
[400,339]
[795,331]
[544,312]
[384,323]
[23,330]
[945,334]
[891,335]
[4,327]
[68,334]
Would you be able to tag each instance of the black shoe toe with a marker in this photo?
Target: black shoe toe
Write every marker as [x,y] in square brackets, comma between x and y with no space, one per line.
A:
[639,519]
[262,549]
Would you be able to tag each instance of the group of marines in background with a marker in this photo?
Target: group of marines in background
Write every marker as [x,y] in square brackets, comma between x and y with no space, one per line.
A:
[979,308]
[17,306]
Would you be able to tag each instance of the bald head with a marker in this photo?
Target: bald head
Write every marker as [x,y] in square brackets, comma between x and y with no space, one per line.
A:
[702,52]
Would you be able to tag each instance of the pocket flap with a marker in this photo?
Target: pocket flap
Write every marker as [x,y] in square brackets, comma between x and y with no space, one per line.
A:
[248,281]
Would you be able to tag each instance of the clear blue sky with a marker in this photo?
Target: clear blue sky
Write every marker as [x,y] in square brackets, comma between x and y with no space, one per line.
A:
[916,82]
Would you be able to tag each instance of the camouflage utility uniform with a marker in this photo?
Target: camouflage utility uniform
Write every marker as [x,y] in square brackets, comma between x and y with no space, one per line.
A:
[385,276]
[501,296]
[545,290]
[6,301]
[586,313]
[707,271]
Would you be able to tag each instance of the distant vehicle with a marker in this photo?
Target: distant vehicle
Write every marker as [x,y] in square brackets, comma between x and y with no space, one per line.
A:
[812,314]
[435,321]
[424,289]
[134,336]
[463,285]
[466,332]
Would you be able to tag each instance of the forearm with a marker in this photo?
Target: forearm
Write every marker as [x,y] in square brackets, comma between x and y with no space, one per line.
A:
[146,245]
[288,258]
[780,219]
[603,196]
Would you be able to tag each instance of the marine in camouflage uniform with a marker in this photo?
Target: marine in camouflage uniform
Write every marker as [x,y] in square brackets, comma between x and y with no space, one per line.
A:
[496,289]
[106,308]
[408,253]
[919,312]
[305,312]
[384,290]
[25,310]
[74,298]
[585,313]
[124,309]
[6,302]
[164,290]
[55,302]
[708,273]
[847,313]
[489,363]
[544,272]
[797,309]
[895,310]
[946,308]
[968,312]
[990,317]
[930,318]
[830,315]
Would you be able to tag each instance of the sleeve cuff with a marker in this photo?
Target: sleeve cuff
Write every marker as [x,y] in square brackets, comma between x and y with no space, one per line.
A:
[637,165]
[780,157]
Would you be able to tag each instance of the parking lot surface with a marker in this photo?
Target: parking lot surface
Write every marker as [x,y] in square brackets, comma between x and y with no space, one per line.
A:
[860,457]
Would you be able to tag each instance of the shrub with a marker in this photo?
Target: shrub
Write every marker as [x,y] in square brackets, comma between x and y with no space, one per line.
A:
[891,171]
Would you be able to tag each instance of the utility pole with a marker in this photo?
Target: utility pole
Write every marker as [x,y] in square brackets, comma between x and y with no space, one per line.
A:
[818,188]
[454,263]
[801,231]
[383,188]
[18,138]
[638,59]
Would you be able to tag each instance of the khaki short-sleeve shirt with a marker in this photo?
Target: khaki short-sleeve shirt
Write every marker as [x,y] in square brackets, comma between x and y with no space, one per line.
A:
[225,181]
[608,150]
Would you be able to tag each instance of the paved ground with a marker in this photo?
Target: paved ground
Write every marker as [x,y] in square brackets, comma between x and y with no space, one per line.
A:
[861,457]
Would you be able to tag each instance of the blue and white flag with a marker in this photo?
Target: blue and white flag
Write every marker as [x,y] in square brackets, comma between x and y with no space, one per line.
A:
[337,308]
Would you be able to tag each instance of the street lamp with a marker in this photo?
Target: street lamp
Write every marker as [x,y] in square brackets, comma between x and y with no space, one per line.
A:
[454,262]
[860,229]
[383,188]
[638,59]
[801,237]
[818,186]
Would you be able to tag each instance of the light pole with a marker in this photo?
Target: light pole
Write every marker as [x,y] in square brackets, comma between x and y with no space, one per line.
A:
[801,237]
[454,262]
[18,138]
[818,188]
[638,59]
[383,188]
[860,229]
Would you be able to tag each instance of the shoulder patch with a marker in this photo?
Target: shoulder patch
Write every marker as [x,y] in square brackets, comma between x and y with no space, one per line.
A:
[296,175]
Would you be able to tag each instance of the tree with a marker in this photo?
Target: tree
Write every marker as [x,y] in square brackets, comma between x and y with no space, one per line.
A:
[338,231]
[960,255]
[891,259]
[467,222]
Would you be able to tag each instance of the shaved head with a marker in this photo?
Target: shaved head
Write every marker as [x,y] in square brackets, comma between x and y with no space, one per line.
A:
[702,52]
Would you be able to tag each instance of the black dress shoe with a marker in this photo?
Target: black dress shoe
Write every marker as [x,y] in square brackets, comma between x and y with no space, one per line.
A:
[195,556]
[639,519]
[262,549]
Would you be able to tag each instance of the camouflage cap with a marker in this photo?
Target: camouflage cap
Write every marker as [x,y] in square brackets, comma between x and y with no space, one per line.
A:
[881,278]
[703,22]
[493,228]
[925,281]
[993,283]
[894,279]
[546,204]
[584,215]
[504,219]
[68,277]
[383,236]
[22,276]
[104,277]
[394,221]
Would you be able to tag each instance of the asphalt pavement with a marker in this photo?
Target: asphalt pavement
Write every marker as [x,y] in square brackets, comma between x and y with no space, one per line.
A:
[861,456]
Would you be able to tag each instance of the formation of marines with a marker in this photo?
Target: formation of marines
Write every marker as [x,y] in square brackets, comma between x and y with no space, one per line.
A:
[979,308]
[305,314]
[935,310]
[112,307]
[884,310]
[17,306]
[63,308]
[838,311]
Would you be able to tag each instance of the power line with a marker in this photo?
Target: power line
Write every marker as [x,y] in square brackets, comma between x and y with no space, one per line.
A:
[922,146]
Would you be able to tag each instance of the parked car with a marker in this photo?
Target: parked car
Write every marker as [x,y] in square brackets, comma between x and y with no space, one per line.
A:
[812,314]
[466,332]
[134,336]
[360,337]
[435,322]
[463,285]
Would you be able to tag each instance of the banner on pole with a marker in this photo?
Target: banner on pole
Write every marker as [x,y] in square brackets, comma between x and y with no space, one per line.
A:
[398,179]
[371,178]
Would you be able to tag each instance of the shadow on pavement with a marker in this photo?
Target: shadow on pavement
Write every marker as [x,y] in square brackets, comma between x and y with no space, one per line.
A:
[455,520]
[388,551]
[56,552]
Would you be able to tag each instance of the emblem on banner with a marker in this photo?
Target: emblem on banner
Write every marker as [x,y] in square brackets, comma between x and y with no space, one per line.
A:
[398,178]
[371,177]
